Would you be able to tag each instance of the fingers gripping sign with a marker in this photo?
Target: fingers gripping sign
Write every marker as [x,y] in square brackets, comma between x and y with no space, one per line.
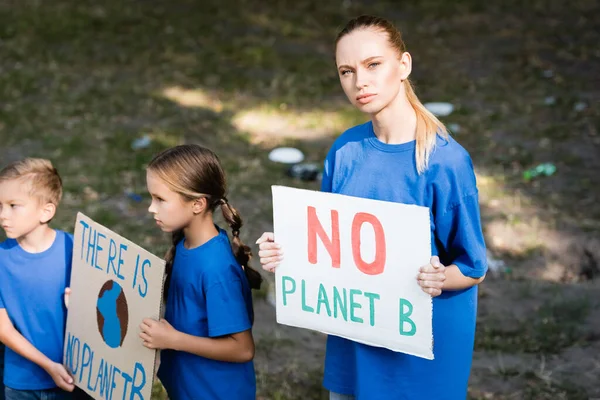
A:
[432,276]
[157,334]
[270,253]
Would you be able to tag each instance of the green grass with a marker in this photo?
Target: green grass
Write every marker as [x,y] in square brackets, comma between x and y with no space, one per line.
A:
[554,327]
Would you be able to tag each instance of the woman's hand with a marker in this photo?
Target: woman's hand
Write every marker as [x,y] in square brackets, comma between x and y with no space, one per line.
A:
[432,276]
[270,253]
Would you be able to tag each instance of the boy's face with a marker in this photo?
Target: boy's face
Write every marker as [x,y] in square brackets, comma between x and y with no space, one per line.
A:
[21,213]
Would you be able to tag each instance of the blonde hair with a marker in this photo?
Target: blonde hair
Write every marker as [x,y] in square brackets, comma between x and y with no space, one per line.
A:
[428,126]
[194,172]
[44,180]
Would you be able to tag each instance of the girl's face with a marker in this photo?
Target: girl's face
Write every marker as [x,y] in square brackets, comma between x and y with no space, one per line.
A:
[371,71]
[171,211]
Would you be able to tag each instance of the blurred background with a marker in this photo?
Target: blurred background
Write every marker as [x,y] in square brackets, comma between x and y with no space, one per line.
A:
[99,87]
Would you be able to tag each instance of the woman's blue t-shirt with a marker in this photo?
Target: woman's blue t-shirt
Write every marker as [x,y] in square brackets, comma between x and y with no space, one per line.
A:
[209,296]
[360,165]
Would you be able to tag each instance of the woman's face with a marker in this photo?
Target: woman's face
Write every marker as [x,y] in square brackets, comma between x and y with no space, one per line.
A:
[370,69]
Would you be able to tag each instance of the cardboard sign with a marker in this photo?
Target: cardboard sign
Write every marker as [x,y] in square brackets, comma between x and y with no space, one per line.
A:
[350,268]
[115,284]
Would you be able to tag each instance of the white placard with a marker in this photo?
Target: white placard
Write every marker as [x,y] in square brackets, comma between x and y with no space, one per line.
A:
[350,267]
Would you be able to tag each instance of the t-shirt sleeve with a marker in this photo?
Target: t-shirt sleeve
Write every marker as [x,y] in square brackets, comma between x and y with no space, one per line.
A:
[2,302]
[461,237]
[226,309]
[327,179]
[69,257]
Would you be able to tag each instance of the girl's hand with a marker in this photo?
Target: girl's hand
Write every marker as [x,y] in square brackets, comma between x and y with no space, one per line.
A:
[270,253]
[60,376]
[432,276]
[157,334]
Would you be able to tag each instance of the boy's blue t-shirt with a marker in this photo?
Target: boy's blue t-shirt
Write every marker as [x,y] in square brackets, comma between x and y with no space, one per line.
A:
[360,165]
[1,371]
[209,296]
[32,286]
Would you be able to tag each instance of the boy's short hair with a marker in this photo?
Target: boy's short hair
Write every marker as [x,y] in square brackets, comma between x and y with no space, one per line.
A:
[46,184]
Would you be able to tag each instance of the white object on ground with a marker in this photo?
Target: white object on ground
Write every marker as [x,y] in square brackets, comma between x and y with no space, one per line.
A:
[286,155]
[440,109]
[454,128]
[141,143]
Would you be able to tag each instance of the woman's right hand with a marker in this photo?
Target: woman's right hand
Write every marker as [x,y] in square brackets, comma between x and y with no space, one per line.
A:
[270,253]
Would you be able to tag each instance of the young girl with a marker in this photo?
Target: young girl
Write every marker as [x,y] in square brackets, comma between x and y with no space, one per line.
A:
[404,155]
[206,333]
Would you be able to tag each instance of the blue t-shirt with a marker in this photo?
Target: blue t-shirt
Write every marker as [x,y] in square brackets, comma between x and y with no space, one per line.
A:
[1,371]
[209,296]
[360,165]
[32,286]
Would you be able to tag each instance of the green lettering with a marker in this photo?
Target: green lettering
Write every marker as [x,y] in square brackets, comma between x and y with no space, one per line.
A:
[354,305]
[323,300]
[372,297]
[341,303]
[286,291]
[304,306]
[404,318]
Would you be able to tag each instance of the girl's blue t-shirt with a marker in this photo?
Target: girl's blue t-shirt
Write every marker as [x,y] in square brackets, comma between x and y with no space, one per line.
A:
[32,287]
[209,296]
[360,165]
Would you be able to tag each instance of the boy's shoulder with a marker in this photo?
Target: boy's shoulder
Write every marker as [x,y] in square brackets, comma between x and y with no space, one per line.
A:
[68,237]
[7,245]
[62,238]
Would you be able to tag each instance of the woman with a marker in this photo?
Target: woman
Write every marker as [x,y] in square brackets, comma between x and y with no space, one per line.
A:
[404,155]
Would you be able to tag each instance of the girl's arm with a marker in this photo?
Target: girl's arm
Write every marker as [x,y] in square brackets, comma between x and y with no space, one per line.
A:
[17,343]
[237,347]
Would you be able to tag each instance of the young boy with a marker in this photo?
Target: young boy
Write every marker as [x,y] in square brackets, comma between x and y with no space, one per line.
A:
[1,371]
[35,264]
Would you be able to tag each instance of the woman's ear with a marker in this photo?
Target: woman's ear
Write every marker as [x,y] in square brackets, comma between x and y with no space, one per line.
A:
[405,65]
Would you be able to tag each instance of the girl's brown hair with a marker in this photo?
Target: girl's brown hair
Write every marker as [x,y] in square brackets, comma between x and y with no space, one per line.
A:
[194,172]
[428,126]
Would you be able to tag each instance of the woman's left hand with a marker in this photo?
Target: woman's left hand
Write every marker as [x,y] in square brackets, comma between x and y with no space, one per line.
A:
[157,334]
[432,276]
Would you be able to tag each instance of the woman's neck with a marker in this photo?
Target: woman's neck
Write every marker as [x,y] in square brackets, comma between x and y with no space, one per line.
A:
[397,122]
[199,231]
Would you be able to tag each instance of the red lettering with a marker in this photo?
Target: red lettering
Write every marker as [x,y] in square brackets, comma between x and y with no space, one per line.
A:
[332,245]
[377,266]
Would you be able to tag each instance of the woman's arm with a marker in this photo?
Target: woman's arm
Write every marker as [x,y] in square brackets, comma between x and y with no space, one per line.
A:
[455,280]
[435,278]
[237,347]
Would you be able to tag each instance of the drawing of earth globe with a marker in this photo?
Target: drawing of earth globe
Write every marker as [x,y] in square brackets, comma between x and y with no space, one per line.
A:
[112,314]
